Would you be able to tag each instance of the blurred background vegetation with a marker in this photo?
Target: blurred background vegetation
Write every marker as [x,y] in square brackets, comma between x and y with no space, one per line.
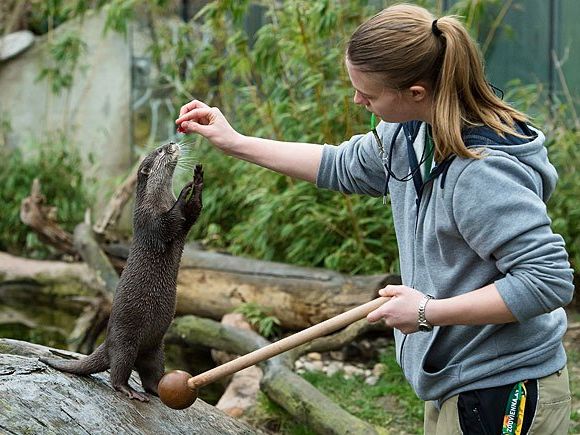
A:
[276,70]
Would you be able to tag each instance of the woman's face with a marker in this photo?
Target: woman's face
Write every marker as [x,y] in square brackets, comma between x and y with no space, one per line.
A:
[389,104]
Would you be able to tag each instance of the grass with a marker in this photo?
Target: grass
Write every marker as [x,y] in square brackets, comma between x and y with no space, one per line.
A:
[390,403]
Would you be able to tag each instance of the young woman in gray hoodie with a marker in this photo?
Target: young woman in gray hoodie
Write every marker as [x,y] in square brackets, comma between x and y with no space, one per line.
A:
[479,319]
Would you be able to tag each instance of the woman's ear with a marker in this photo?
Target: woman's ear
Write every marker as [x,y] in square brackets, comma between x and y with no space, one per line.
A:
[418,93]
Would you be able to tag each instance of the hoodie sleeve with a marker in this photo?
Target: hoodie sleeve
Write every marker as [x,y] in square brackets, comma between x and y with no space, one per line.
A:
[498,209]
[355,166]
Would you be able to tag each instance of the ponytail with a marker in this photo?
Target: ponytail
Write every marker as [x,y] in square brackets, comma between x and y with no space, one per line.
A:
[405,44]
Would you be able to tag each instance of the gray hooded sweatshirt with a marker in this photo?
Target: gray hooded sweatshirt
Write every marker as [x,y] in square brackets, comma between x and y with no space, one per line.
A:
[480,221]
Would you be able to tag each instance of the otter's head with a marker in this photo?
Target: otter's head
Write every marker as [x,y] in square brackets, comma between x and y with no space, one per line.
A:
[155,177]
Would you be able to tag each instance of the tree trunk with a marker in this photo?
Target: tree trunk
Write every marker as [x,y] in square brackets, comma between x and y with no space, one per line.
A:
[209,285]
[39,399]
[212,284]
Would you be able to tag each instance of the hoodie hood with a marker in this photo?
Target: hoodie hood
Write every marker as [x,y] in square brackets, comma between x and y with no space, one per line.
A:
[529,151]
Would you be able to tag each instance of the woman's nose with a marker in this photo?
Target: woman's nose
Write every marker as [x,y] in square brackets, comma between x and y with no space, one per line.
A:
[358,99]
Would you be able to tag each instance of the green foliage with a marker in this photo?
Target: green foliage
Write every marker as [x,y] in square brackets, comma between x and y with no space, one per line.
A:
[269,416]
[119,14]
[287,82]
[58,169]
[64,55]
[257,316]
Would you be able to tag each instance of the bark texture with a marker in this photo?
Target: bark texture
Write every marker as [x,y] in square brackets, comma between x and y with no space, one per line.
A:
[37,399]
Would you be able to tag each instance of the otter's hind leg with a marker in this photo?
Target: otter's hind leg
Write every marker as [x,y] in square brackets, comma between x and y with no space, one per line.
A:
[150,366]
[122,361]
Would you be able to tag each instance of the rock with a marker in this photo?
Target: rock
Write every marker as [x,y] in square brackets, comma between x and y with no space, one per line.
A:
[333,368]
[350,370]
[379,369]
[13,44]
[372,380]
[313,366]
[336,355]
[314,356]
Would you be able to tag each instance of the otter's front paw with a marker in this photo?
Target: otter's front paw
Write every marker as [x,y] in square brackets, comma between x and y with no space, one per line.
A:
[194,203]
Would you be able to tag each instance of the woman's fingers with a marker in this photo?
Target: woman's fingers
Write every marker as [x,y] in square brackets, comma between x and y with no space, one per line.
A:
[203,115]
[192,105]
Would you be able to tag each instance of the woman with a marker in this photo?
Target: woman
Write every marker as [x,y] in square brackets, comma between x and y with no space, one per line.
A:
[479,319]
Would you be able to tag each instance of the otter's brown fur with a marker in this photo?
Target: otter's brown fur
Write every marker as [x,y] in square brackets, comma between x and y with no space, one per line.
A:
[144,301]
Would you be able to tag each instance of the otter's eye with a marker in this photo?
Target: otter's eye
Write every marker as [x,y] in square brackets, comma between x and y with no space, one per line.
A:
[145,170]
[159,151]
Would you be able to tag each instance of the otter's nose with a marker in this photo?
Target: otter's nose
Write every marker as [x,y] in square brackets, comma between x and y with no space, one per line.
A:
[172,148]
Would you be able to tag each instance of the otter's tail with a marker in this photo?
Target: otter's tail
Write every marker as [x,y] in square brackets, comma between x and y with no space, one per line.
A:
[96,362]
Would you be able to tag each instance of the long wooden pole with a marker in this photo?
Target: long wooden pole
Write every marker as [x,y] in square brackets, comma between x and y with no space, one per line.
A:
[324,328]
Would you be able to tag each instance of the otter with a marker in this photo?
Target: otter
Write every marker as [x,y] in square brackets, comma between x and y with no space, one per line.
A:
[144,302]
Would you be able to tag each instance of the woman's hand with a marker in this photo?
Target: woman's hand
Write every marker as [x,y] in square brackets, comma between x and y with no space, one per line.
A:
[401,310]
[198,117]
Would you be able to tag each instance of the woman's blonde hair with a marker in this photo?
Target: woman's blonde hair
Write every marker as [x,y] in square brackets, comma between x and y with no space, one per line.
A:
[405,46]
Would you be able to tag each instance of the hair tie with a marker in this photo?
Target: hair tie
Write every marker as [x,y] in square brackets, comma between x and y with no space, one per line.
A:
[436,29]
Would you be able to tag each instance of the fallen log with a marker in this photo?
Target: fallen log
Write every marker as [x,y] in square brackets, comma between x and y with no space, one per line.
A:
[240,393]
[112,211]
[38,399]
[211,284]
[44,298]
[90,251]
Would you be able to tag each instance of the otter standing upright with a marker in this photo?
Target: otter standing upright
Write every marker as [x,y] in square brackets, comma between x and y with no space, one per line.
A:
[144,302]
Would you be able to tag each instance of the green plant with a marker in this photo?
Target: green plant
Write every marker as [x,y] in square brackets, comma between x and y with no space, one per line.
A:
[390,403]
[57,166]
[269,416]
[291,86]
[64,55]
[258,317]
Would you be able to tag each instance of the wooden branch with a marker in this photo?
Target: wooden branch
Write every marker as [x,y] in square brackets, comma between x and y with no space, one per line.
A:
[115,206]
[95,317]
[308,405]
[281,384]
[90,251]
[89,325]
[240,393]
[58,279]
[42,219]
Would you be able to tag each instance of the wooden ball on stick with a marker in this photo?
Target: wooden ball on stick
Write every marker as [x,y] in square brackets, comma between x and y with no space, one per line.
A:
[174,391]
[178,389]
